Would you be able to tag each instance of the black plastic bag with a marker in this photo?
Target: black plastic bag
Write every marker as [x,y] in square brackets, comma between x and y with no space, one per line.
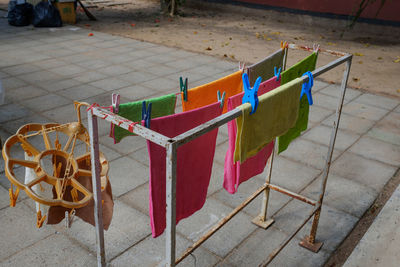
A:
[19,15]
[46,15]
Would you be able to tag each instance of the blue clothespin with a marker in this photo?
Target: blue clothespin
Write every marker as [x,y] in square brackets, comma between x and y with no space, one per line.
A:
[306,87]
[277,73]
[221,99]
[250,94]
[183,87]
[146,114]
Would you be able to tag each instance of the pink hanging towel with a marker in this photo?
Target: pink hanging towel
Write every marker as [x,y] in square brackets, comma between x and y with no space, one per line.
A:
[236,173]
[194,163]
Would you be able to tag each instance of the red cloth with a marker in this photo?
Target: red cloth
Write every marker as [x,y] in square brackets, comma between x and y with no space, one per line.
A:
[194,164]
[236,173]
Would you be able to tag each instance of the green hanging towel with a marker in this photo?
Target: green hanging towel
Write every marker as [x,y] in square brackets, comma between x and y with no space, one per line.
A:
[161,106]
[307,64]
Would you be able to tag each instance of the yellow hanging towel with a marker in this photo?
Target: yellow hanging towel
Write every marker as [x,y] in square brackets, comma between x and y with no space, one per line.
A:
[206,94]
[276,113]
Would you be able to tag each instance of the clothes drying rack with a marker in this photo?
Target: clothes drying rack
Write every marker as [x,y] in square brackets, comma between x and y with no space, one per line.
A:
[171,145]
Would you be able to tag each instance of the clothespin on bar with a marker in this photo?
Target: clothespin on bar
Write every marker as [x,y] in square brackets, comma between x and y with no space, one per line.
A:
[39,219]
[13,196]
[183,87]
[277,73]
[115,100]
[146,114]
[242,67]
[221,99]
[69,218]
[306,87]
[316,48]
[284,44]
[250,94]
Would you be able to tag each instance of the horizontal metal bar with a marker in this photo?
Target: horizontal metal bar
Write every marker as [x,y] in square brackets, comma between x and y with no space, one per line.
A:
[320,50]
[292,194]
[290,237]
[212,124]
[138,129]
[221,223]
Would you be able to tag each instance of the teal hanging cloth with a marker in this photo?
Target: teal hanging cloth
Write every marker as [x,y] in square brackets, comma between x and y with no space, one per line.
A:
[307,64]
[161,106]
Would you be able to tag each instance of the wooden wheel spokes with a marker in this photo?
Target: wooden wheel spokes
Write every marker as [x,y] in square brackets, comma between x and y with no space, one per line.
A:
[23,162]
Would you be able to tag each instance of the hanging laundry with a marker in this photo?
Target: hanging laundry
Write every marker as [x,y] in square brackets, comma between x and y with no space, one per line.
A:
[307,64]
[235,172]
[265,67]
[276,113]
[206,94]
[194,163]
[161,106]
[57,213]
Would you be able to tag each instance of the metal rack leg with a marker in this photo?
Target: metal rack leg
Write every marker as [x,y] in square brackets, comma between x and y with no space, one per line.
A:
[96,184]
[309,241]
[261,220]
[170,239]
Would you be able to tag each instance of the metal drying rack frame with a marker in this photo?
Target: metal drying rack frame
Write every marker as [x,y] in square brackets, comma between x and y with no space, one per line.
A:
[171,145]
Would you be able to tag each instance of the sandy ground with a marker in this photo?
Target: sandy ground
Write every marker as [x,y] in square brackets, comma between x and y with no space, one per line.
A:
[245,34]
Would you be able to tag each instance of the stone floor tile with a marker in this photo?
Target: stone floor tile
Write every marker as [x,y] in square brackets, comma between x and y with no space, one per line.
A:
[54,86]
[135,92]
[114,70]
[334,90]
[276,200]
[387,129]
[151,252]
[228,237]
[217,178]
[49,63]
[138,198]
[13,125]
[81,92]
[3,75]
[110,84]
[293,255]
[127,145]
[128,226]
[89,76]
[377,101]
[322,135]
[55,250]
[192,77]
[319,85]
[182,64]
[350,123]
[291,175]
[4,198]
[209,70]
[68,70]
[62,114]
[19,94]
[12,83]
[21,69]
[136,77]
[46,102]
[162,70]
[12,237]
[162,84]
[126,175]
[364,111]
[308,153]
[377,150]
[220,153]
[317,114]
[343,194]
[325,101]
[12,112]
[256,248]
[93,64]
[40,77]
[119,59]
[141,156]
[333,227]
[397,109]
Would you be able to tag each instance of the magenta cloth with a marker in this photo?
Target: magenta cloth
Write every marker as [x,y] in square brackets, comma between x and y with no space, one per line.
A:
[194,164]
[234,172]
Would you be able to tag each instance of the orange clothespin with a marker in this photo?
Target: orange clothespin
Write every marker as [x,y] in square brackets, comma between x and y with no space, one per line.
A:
[284,44]
[39,219]
[13,196]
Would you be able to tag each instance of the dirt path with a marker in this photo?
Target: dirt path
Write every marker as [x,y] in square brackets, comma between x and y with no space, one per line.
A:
[244,34]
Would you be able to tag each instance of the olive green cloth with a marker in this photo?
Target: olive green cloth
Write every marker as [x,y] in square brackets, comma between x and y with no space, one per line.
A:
[161,106]
[265,67]
[276,113]
[307,64]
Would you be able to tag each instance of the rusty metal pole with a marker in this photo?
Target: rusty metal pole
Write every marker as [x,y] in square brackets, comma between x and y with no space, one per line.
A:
[309,241]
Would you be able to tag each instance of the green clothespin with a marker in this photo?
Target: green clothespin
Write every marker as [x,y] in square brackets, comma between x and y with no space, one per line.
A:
[221,99]
[184,87]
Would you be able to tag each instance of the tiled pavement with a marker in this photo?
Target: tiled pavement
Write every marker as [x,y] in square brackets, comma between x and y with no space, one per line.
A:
[44,70]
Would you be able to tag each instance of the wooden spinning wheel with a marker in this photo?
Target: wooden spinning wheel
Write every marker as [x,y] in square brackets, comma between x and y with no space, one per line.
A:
[66,169]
